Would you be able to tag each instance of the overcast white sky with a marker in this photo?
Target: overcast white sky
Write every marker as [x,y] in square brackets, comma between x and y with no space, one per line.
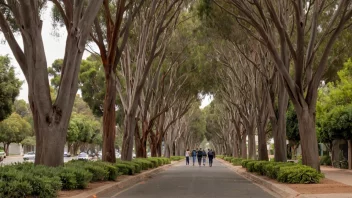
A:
[54,49]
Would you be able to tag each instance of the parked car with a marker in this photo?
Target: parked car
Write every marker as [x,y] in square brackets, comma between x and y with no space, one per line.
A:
[29,156]
[2,155]
[100,155]
[83,156]
[67,154]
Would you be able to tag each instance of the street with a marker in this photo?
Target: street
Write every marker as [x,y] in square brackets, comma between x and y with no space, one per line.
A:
[193,182]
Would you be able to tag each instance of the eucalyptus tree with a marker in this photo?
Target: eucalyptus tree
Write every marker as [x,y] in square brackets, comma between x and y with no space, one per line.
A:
[303,28]
[50,118]
[237,89]
[194,132]
[167,124]
[152,28]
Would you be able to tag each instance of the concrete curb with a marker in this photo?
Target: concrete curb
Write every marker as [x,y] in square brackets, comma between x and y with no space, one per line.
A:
[125,183]
[279,189]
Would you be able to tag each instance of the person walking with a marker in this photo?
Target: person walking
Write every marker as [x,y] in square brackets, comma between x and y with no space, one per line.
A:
[194,155]
[187,157]
[210,157]
[200,156]
[204,157]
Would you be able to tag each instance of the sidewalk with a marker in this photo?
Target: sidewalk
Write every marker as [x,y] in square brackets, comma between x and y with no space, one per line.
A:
[339,175]
[337,183]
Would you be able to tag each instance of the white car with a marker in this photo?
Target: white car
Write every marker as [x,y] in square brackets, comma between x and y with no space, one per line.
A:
[83,156]
[29,156]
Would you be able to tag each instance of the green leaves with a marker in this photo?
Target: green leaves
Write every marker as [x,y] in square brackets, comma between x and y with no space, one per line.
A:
[334,107]
[9,87]
[14,129]
[83,128]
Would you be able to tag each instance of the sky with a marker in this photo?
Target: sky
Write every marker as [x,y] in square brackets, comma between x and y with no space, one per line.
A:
[54,49]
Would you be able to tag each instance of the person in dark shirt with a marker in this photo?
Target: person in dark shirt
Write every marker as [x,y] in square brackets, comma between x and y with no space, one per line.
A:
[211,156]
[200,156]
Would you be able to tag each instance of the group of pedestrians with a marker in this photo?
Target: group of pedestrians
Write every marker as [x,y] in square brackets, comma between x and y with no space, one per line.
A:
[201,155]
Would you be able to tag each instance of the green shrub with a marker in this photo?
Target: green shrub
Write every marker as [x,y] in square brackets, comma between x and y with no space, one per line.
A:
[299,158]
[244,163]
[158,161]
[228,159]
[176,158]
[325,160]
[125,169]
[154,161]
[250,166]
[99,173]
[137,168]
[45,187]
[15,189]
[168,160]
[83,177]
[271,169]
[68,179]
[220,156]
[259,167]
[113,171]
[298,174]
[236,161]
[146,164]
[26,178]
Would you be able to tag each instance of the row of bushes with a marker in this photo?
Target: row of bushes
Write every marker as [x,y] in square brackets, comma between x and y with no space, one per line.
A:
[25,179]
[285,172]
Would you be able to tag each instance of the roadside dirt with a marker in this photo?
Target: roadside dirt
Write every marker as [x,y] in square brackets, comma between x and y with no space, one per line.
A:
[70,193]
[326,186]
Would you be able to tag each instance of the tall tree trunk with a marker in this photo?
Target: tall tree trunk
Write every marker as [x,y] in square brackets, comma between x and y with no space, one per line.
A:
[138,147]
[279,125]
[349,154]
[235,149]
[244,147]
[6,148]
[309,142]
[159,147]
[109,118]
[167,151]
[153,145]
[251,143]
[50,135]
[127,145]
[262,147]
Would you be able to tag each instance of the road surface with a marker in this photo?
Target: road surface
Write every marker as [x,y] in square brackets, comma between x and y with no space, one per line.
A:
[181,181]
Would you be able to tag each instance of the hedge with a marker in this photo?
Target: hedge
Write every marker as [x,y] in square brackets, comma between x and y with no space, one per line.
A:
[27,180]
[285,172]
[299,174]
[176,158]
[325,160]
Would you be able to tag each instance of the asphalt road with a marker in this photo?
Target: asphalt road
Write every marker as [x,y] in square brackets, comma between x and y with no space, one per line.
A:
[181,181]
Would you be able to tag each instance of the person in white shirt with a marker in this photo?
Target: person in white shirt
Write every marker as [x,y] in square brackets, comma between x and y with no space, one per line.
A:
[187,157]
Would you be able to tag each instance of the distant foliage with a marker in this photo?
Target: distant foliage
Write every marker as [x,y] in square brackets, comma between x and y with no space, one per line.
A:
[9,87]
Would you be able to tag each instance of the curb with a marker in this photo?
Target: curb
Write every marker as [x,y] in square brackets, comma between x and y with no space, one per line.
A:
[125,183]
[279,189]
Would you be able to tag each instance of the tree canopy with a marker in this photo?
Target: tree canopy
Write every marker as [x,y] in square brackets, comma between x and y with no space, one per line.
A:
[9,87]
